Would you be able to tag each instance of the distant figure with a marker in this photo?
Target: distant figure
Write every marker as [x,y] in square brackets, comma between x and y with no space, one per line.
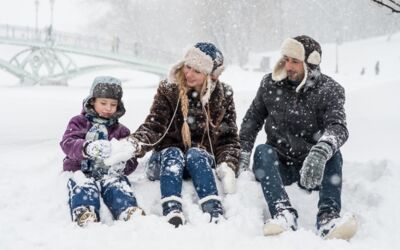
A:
[115,44]
[49,34]
[362,71]
[265,64]
[377,68]
[136,48]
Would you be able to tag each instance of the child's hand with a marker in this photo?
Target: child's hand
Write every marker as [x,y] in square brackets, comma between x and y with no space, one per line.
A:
[121,151]
[99,149]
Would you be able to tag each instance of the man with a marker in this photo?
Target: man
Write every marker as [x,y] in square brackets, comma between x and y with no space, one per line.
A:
[305,124]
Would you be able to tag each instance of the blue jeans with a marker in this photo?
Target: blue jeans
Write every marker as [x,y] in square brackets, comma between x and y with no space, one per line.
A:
[115,191]
[274,175]
[169,166]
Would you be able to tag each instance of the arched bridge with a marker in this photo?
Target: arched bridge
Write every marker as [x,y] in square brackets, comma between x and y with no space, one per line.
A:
[45,58]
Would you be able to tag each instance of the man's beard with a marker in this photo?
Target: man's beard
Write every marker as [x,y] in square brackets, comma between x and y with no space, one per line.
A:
[294,76]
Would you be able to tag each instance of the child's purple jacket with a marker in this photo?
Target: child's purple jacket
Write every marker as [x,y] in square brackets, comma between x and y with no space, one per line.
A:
[74,138]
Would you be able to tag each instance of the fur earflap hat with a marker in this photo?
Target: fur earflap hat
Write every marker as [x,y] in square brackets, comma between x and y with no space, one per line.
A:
[105,87]
[204,57]
[302,48]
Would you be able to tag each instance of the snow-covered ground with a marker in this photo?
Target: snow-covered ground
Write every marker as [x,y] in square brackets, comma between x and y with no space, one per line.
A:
[33,202]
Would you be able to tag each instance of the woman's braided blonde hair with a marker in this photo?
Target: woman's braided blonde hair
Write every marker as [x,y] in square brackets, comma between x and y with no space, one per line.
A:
[181,81]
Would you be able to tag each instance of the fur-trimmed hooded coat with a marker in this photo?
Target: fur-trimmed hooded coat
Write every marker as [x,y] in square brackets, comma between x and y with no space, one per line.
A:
[295,121]
[73,141]
[222,139]
[74,137]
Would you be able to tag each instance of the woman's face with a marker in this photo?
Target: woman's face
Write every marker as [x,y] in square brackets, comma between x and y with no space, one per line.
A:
[194,78]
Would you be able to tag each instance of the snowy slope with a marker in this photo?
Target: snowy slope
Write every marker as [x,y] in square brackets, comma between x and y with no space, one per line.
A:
[33,203]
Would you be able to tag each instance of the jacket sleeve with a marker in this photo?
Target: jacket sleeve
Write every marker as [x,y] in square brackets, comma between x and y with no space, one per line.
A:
[157,121]
[74,139]
[228,144]
[254,119]
[334,118]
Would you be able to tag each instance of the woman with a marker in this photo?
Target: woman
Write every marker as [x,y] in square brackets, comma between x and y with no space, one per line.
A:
[192,129]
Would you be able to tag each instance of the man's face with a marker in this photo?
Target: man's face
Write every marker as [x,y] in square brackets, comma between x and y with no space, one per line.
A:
[294,68]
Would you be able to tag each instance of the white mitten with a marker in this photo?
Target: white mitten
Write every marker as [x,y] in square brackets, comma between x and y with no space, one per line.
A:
[227,177]
[99,149]
[122,150]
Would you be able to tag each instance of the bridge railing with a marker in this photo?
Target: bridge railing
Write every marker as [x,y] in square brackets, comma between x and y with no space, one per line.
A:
[101,44]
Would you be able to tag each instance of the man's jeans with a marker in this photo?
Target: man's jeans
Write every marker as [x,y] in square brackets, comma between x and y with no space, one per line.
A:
[273,175]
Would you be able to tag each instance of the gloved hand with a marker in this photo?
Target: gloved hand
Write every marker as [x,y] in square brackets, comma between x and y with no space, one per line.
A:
[122,150]
[99,149]
[244,161]
[312,172]
[227,177]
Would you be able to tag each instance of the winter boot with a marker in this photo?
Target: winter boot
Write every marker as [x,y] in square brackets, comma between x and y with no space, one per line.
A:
[331,226]
[83,216]
[131,212]
[212,205]
[172,210]
[283,221]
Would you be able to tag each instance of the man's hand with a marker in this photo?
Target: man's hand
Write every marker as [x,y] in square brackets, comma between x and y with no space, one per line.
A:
[312,172]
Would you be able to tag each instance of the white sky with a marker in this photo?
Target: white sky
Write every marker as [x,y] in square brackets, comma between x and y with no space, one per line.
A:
[69,15]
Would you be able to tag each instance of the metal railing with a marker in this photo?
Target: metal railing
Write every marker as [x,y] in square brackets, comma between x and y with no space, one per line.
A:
[50,37]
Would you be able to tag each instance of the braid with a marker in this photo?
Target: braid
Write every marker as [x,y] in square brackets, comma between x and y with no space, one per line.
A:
[186,136]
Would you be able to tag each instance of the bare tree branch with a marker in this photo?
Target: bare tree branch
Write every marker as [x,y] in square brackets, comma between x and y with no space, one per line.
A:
[393,5]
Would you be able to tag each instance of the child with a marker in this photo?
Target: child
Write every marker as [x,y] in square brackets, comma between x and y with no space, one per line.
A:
[86,143]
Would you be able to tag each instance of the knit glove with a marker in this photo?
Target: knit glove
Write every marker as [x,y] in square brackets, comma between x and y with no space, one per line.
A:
[227,176]
[244,161]
[122,150]
[312,172]
[99,149]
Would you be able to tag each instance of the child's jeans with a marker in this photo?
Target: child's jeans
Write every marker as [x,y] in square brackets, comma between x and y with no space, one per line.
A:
[115,190]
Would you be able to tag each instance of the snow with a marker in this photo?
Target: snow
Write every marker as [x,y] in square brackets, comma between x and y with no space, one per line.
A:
[33,207]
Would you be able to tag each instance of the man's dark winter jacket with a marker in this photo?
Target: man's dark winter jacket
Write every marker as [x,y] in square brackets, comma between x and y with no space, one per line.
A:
[295,121]
[223,139]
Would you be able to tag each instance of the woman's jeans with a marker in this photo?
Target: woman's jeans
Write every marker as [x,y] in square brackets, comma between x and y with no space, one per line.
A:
[171,165]
[274,175]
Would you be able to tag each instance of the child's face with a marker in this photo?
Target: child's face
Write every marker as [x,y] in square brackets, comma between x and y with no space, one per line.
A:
[105,107]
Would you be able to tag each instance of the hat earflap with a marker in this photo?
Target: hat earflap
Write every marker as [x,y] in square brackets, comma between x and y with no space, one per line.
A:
[314,58]
[279,72]
[217,72]
[209,89]
[303,82]
[174,69]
